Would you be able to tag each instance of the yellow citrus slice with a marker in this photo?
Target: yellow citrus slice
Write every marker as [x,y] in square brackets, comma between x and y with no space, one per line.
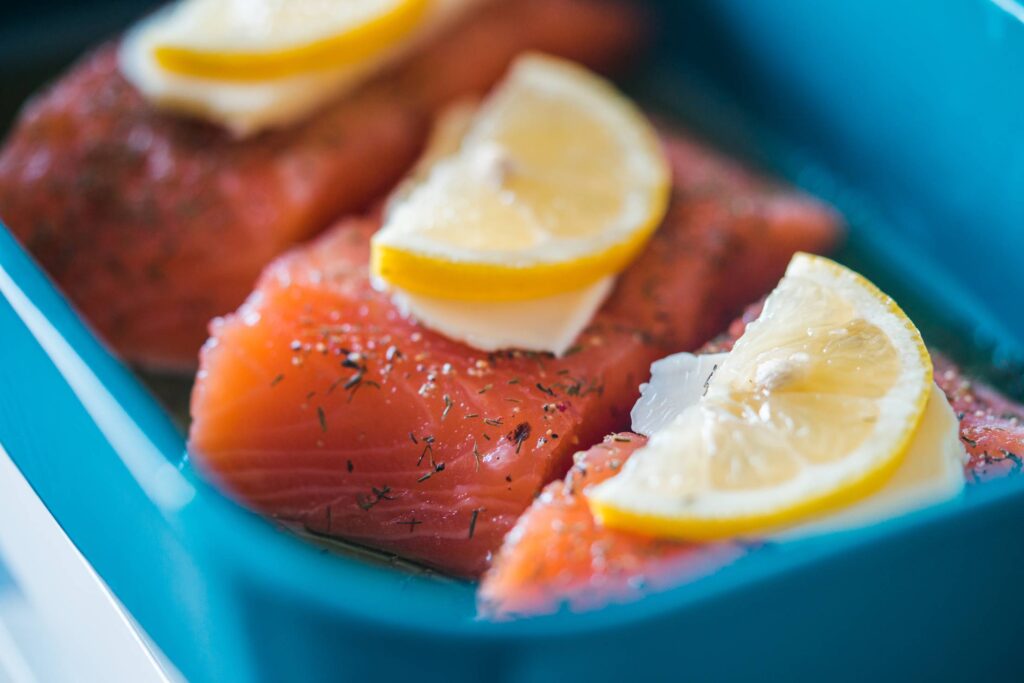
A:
[558,182]
[256,40]
[814,408]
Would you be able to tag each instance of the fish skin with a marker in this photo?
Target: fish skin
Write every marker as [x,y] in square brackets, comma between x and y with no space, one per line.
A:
[352,461]
[540,568]
[153,224]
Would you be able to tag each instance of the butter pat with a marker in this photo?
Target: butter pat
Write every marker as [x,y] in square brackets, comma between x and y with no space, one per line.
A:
[247,107]
[548,324]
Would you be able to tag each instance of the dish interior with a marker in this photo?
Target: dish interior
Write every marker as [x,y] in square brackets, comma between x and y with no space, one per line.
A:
[711,74]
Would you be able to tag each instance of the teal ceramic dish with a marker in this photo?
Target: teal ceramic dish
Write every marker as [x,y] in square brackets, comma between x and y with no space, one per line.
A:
[904,114]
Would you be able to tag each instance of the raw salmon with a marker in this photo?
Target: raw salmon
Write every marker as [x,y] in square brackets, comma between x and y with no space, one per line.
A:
[317,404]
[154,224]
[991,425]
[557,555]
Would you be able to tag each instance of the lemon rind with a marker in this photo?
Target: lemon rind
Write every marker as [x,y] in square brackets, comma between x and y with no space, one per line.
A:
[445,272]
[432,275]
[353,45]
[706,527]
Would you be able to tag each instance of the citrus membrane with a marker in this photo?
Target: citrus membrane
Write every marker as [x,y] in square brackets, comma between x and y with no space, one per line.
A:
[256,40]
[814,408]
[558,183]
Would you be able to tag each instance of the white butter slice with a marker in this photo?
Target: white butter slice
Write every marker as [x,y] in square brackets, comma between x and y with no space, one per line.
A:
[932,470]
[677,382]
[549,324]
[245,108]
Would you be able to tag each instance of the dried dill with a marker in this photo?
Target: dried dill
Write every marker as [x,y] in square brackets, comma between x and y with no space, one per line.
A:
[428,449]
[322,417]
[439,467]
[1013,457]
[707,382]
[412,523]
[277,380]
[472,521]
[520,434]
[547,390]
[377,495]
[581,387]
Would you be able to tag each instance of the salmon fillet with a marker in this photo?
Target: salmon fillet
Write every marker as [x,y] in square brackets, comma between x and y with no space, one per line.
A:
[557,555]
[319,405]
[154,224]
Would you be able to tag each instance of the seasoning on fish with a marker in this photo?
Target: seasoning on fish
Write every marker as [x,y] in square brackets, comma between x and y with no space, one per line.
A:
[154,224]
[558,556]
[461,439]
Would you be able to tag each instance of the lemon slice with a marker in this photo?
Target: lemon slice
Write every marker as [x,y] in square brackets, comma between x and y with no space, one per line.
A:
[255,40]
[558,182]
[814,408]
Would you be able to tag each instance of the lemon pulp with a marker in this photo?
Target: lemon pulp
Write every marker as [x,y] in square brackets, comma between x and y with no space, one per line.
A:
[557,183]
[256,40]
[814,408]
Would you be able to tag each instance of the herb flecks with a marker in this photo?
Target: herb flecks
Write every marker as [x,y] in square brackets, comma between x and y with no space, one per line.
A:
[412,523]
[357,363]
[322,418]
[376,495]
[448,403]
[428,449]
[277,380]
[547,390]
[437,467]
[579,386]
[472,521]
[520,434]
[707,382]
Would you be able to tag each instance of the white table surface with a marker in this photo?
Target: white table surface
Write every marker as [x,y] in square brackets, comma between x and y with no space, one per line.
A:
[58,620]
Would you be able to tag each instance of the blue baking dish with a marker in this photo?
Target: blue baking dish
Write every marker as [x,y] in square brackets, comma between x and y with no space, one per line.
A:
[905,114]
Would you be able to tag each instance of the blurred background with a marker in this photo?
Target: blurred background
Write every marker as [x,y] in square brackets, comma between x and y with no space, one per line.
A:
[38,39]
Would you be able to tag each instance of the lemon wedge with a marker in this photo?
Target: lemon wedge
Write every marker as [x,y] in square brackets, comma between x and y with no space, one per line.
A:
[256,40]
[814,408]
[557,183]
